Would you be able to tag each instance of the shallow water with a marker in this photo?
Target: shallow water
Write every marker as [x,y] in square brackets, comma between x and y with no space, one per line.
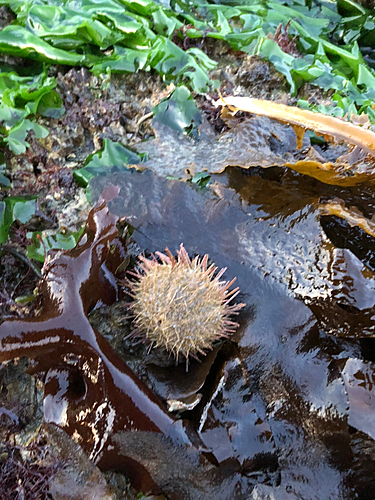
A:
[286,400]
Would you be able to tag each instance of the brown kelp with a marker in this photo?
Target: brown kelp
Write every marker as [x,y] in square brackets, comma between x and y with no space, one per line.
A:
[360,140]
[327,126]
[351,215]
[273,135]
[89,391]
[285,404]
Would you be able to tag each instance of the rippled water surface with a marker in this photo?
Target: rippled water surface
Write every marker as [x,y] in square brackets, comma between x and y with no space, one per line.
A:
[292,398]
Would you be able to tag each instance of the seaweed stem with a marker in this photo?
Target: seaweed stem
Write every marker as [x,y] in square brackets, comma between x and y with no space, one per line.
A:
[321,124]
[23,258]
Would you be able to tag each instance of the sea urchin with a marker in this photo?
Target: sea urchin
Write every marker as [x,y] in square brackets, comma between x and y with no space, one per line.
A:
[179,305]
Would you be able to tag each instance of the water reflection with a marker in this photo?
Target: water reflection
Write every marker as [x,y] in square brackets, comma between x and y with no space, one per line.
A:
[278,404]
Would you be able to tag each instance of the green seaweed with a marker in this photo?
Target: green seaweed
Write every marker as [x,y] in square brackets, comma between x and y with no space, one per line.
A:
[4,180]
[23,97]
[129,35]
[43,242]
[179,111]
[112,158]
[20,208]
[125,36]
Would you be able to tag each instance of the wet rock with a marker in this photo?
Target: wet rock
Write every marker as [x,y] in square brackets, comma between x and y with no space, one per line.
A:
[179,472]
[23,396]
[79,479]
[6,16]
[261,80]
[369,4]
[358,378]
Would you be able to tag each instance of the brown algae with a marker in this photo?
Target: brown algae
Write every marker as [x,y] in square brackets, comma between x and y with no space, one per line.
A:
[89,391]
[302,119]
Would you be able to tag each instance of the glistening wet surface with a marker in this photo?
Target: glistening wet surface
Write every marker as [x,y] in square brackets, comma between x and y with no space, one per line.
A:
[284,408]
[288,402]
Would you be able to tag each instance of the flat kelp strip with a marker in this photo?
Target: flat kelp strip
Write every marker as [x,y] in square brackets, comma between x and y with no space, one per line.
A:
[356,166]
[329,127]
[89,391]
[352,215]
[336,173]
[359,378]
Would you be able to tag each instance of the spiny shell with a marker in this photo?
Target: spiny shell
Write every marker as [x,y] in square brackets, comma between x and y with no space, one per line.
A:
[179,305]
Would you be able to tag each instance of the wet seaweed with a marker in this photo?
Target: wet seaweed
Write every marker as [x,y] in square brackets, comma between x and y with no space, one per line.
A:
[89,391]
[278,401]
[358,163]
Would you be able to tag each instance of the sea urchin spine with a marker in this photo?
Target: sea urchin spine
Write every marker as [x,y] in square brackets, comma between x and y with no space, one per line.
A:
[179,305]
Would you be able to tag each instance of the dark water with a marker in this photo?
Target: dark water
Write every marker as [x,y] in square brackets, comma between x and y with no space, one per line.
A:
[291,398]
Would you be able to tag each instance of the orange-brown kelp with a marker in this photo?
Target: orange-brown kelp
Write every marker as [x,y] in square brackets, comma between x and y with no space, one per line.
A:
[89,391]
[347,170]
[302,119]
[352,215]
